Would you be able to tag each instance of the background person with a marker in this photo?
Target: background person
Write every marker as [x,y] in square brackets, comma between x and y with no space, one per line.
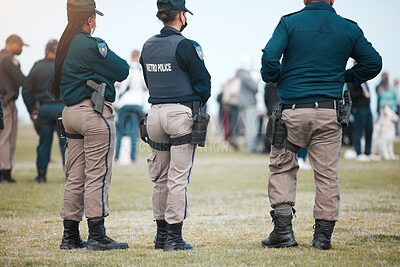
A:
[316,44]
[11,78]
[176,76]
[43,109]
[130,105]
[90,134]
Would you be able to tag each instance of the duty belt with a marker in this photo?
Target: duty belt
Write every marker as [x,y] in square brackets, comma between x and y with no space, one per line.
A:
[322,104]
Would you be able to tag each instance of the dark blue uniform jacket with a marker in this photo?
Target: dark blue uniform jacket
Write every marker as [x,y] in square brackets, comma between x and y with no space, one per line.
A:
[37,84]
[316,44]
[89,58]
[191,62]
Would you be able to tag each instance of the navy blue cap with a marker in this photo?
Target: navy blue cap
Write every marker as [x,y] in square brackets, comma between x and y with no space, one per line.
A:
[83,6]
[178,5]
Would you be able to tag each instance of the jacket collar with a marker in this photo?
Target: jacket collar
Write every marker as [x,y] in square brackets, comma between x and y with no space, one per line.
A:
[320,6]
[169,30]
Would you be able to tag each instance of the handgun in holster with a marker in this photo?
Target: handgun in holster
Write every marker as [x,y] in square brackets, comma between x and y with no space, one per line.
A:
[344,109]
[200,124]
[277,132]
[98,95]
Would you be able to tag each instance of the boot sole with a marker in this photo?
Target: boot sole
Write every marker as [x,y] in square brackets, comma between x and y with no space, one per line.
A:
[284,245]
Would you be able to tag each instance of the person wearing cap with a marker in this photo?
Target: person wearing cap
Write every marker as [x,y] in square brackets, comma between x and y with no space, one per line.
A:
[90,134]
[315,44]
[43,109]
[177,78]
[11,78]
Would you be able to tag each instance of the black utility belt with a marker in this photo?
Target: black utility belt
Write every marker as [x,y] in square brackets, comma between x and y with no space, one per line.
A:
[321,104]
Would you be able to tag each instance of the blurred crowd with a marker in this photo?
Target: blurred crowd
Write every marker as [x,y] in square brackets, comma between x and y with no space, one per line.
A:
[246,102]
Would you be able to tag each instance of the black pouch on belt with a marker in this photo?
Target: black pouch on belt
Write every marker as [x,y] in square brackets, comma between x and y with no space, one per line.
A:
[60,126]
[200,125]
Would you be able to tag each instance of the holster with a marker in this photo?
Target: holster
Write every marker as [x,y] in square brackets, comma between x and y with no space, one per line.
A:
[277,132]
[98,95]
[143,129]
[60,125]
[344,109]
[200,125]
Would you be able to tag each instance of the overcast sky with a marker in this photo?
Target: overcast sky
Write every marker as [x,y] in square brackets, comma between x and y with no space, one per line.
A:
[227,30]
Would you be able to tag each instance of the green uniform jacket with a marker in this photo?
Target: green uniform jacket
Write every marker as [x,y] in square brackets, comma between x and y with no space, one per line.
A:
[89,58]
[315,45]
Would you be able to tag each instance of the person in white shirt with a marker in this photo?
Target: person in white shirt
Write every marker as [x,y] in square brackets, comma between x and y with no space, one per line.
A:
[131,99]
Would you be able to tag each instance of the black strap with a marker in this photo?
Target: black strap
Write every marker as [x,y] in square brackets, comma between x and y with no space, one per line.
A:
[73,136]
[159,146]
[186,139]
[322,104]
[291,147]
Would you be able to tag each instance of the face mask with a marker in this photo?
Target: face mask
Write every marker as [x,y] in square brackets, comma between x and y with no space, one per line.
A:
[92,29]
[184,25]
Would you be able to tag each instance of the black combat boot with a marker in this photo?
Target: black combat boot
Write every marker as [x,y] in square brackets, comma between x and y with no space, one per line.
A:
[1,177]
[71,238]
[161,236]
[174,238]
[322,234]
[41,177]
[97,237]
[7,179]
[282,236]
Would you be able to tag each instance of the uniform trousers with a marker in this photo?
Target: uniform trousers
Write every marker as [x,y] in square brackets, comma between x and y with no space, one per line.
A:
[88,161]
[318,130]
[8,138]
[48,123]
[170,170]
[128,124]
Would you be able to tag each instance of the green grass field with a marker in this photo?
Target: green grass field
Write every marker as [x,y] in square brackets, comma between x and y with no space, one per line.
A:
[229,215]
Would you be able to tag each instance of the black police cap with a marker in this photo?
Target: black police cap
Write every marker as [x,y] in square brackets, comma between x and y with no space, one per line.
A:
[178,5]
[82,6]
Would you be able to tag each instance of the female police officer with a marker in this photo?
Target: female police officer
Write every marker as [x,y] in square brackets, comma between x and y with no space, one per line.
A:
[91,134]
[176,76]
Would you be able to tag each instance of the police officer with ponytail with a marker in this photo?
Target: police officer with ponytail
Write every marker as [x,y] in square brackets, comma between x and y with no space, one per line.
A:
[178,83]
[80,60]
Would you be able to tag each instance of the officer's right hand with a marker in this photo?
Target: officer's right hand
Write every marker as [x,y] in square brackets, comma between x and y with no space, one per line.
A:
[34,114]
[1,131]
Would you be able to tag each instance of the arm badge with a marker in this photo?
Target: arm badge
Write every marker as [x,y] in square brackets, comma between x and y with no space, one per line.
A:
[102,48]
[199,51]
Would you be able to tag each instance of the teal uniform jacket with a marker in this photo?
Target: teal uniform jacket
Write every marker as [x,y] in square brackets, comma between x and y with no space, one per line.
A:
[1,118]
[316,44]
[89,58]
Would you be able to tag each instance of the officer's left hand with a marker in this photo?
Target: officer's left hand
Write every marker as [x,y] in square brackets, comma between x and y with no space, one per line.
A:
[34,114]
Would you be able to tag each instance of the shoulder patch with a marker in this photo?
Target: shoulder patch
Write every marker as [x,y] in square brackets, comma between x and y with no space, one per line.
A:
[199,51]
[103,49]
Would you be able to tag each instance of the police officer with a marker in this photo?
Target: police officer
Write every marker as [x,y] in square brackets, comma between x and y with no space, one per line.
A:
[177,79]
[11,78]
[43,109]
[90,134]
[316,44]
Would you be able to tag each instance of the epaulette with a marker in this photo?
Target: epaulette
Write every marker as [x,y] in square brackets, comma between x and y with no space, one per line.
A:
[284,16]
[352,21]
